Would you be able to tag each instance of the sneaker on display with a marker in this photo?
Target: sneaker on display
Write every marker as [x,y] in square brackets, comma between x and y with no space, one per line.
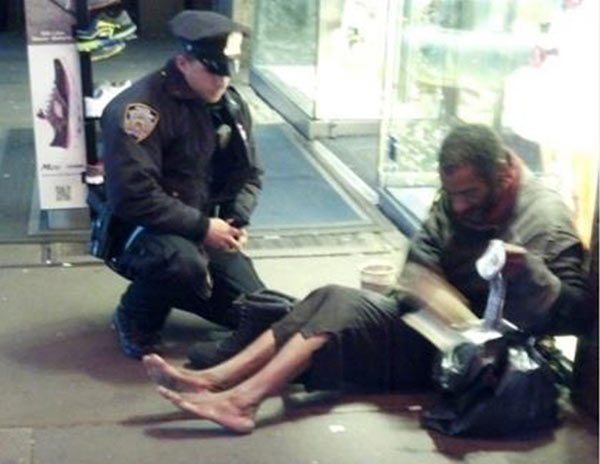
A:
[103,93]
[57,108]
[90,46]
[105,26]
[108,50]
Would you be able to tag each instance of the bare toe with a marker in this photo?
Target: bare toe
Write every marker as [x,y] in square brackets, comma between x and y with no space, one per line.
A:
[160,372]
[168,376]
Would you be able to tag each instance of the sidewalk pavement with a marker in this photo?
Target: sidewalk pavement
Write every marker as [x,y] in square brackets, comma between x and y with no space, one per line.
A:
[69,397]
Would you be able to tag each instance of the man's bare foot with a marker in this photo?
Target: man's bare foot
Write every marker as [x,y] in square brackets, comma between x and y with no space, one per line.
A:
[220,408]
[168,376]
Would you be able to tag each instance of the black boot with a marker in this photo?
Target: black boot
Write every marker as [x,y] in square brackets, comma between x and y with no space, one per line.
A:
[137,336]
[257,312]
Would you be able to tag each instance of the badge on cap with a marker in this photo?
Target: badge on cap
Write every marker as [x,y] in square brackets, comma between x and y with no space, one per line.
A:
[233,46]
[139,121]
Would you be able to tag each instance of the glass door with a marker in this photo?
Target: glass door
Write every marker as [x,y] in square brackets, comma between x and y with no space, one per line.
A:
[321,63]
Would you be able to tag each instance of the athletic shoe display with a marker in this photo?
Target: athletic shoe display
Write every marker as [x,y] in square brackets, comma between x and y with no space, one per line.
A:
[57,108]
[106,26]
[108,50]
[103,93]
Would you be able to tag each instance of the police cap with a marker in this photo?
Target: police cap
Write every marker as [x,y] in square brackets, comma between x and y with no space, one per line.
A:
[213,39]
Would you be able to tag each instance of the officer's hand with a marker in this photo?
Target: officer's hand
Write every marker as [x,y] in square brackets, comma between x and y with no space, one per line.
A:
[222,235]
[243,237]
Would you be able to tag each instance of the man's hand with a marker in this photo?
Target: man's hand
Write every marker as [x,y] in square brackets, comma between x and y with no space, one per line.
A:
[436,295]
[515,258]
[222,235]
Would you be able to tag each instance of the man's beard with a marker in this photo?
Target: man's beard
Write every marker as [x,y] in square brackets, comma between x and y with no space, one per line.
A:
[478,217]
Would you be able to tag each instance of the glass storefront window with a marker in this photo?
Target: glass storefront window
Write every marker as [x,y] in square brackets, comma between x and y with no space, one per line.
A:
[529,68]
[285,48]
[321,61]
[351,59]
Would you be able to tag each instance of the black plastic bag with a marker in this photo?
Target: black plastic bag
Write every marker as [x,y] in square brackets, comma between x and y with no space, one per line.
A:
[503,387]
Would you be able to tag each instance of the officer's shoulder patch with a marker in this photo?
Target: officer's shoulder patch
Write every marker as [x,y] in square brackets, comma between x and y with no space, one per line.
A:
[139,120]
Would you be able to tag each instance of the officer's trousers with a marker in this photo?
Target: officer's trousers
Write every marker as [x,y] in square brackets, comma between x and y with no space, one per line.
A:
[169,271]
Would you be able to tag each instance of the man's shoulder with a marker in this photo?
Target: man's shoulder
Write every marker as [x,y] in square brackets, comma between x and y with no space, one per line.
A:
[542,205]
[137,110]
[539,193]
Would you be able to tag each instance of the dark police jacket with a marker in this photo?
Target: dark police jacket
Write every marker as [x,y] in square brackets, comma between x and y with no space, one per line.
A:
[550,295]
[158,144]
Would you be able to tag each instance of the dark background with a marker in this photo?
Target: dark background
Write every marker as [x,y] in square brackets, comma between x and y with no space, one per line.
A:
[149,16]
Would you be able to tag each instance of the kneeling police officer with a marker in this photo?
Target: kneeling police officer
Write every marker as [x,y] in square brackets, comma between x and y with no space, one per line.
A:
[181,182]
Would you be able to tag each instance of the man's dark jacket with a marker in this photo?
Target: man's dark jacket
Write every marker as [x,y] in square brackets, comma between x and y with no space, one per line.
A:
[163,181]
[550,295]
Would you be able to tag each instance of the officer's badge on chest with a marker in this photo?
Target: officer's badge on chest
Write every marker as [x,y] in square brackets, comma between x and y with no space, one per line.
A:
[139,121]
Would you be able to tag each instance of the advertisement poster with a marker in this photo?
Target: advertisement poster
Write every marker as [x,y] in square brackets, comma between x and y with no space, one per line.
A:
[49,21]
[56,100]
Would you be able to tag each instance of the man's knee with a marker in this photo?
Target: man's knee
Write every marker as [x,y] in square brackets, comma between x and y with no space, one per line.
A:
[188,267]
[332,292]
[168,258]
[236,271]
[186,270]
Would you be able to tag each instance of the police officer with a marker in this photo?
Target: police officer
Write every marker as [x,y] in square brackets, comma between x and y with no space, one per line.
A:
[182,180]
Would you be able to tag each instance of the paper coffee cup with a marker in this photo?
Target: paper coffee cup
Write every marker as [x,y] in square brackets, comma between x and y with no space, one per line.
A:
[378,276]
